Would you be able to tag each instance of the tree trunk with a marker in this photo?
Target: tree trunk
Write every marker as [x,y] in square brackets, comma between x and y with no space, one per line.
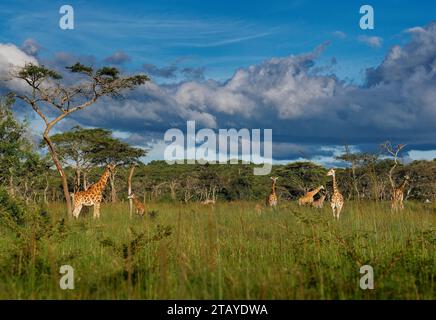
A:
[11,186]
[45,190]
[130,190]
[356,188]
[113,189]
[85,181]
[173,186]
[26,189]
[77,181]
[58,165]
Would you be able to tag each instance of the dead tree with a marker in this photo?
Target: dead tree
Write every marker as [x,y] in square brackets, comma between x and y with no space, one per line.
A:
[394,152]
[173,184]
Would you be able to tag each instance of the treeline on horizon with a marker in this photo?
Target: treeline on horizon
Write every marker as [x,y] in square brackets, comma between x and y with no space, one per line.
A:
[26,173]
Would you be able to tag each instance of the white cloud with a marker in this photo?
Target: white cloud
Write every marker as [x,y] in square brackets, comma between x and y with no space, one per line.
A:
[397,102]
[422,154]
[375,42]
[10,57]
[340,34]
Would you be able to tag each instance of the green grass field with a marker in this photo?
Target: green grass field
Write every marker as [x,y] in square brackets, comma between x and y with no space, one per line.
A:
[229,251]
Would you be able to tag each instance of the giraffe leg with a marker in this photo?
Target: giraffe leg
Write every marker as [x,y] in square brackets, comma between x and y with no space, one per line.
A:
[333,209]
[77,209]
[338,210]
[96,214]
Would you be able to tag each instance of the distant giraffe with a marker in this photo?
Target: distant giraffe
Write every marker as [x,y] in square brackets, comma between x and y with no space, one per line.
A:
[139,206]
[93,195]
[320,202]
[308,197]
[398,195]
[337,200]
[208,201]
[271,200]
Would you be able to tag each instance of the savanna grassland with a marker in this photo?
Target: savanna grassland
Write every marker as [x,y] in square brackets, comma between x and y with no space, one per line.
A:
[229,251]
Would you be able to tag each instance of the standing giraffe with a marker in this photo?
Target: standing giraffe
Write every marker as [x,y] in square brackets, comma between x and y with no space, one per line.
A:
[337,200]
[139,206]
[271,200]
[398,195]
[93,195]
[319,204]
[308,197]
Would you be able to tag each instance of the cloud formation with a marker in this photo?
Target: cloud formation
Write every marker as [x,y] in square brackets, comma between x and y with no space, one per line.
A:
[161,72]
[11,57]
[398,100]
[31,47]
[305,108]
[118,58]
[375,42]
[174,71]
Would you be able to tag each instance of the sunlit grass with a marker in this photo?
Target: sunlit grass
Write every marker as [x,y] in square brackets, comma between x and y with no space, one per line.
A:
[228,251]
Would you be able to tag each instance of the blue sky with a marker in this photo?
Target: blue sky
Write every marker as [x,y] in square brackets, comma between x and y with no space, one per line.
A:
[180,42]
[219,35]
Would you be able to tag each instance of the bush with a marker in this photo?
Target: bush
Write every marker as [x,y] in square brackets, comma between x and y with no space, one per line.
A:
[11,207]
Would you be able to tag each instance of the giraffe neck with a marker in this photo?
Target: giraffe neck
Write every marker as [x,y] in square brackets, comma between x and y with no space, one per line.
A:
[101,184]
[335,187]
[315,191]
[403,185]
[273,188]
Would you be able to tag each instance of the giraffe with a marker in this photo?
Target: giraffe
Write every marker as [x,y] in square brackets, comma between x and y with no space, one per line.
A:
[271,200]
[398,195]
[208,201]
[93,195]
[140,208]
[337,200]
[308,197]
[319,204]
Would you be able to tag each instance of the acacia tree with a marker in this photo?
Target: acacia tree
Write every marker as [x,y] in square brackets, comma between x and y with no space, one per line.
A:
[77,148]
[53,99]
[107,149]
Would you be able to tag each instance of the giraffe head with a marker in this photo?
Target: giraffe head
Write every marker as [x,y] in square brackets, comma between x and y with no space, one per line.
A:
[331,172]
[111,166]
[274,179]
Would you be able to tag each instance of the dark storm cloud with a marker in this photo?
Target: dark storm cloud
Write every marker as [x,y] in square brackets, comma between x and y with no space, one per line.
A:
[397,102]
[31,47]
[161,72]
[191,73]
[117,58]
[289,95]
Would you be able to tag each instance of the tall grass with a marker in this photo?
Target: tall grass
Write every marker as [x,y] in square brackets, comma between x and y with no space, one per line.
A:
[228,251]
